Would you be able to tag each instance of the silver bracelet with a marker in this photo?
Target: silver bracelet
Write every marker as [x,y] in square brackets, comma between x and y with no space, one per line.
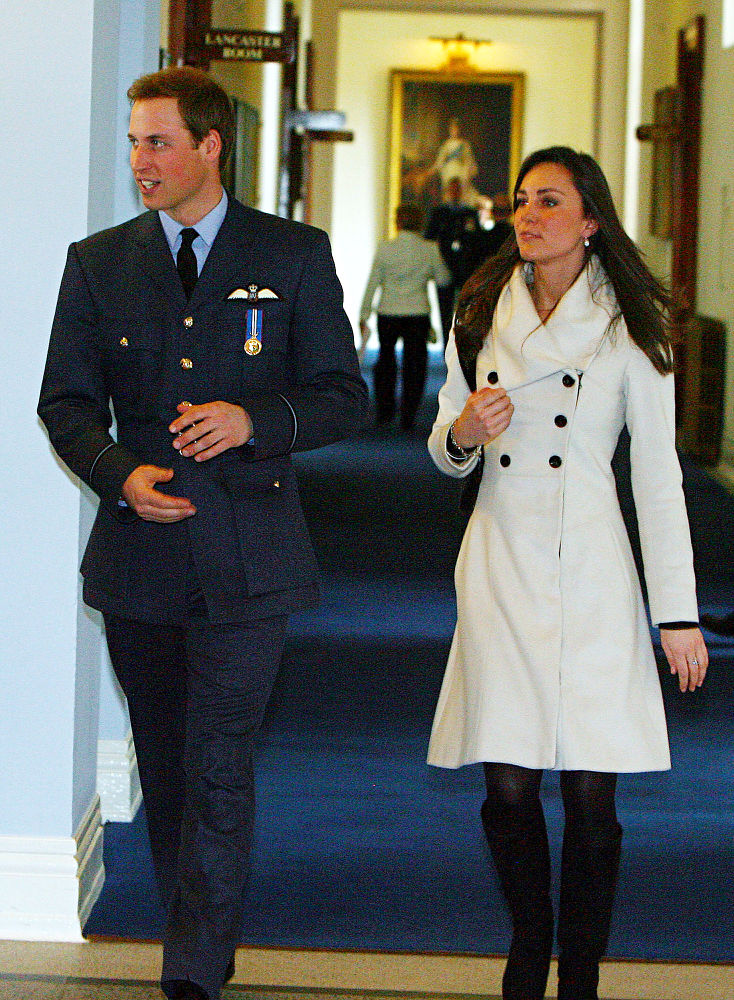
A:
[462,451]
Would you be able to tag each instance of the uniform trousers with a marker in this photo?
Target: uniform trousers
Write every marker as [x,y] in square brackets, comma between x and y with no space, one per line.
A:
[197,692]
[414,332]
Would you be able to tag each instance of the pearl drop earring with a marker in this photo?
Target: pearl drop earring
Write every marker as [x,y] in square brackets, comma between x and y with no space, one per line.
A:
[586,242]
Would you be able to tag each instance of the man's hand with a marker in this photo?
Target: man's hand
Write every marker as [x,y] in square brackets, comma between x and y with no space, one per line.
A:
[486,414]
[149,503]
[209,429]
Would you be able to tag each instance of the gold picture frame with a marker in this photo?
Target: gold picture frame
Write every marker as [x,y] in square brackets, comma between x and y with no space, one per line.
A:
[481,112]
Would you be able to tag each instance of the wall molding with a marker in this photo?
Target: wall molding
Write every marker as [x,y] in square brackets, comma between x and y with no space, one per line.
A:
[118,781]
[724,472]
[48,885]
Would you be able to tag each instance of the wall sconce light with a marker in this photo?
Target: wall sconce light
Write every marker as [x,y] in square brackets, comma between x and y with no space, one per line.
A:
[459,51]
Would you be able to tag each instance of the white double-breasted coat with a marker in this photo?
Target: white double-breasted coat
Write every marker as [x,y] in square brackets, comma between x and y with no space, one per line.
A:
[551,664]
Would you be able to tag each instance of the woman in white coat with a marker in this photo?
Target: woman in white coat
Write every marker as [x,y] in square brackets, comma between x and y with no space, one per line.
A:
[560,341]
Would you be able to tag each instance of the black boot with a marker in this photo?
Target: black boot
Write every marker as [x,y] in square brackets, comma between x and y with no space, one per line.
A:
[589,868]
[523,864]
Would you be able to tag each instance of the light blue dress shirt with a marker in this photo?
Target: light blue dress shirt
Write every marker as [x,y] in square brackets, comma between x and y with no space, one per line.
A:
[207,228]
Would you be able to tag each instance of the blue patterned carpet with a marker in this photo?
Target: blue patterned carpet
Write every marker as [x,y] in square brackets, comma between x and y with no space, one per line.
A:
[360,845]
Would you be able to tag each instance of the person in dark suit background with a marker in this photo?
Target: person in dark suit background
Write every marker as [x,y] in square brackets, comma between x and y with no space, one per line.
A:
[199,549]
[456,228]
[493,237]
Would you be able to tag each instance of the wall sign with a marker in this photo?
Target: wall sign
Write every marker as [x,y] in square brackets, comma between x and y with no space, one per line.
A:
[247,46]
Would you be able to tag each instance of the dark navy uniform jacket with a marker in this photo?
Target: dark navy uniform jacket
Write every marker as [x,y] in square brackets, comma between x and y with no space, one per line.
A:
[125,335]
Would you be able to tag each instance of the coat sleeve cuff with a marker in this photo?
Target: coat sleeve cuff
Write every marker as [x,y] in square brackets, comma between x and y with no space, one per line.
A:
[274,426]
[110,469]
[467,460]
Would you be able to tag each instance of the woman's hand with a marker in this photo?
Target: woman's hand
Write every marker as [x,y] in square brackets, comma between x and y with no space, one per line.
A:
[687,655]
[486,414]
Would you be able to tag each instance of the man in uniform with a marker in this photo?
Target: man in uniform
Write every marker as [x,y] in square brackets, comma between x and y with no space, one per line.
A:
[218,335]
[456,228]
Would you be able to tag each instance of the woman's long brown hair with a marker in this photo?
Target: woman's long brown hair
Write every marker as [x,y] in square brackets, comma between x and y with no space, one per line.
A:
[644,302]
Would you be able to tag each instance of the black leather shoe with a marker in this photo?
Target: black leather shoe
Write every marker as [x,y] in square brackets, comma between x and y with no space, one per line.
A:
[719,624]
[189,991]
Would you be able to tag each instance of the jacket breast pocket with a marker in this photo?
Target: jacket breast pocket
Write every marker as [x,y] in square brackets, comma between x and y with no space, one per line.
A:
[252,341]
[132,360]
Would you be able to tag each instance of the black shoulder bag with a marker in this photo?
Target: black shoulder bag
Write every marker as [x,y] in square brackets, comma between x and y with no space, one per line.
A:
[468,362]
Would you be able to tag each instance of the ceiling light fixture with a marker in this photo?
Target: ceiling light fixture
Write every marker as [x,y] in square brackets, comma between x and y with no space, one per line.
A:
[459,50]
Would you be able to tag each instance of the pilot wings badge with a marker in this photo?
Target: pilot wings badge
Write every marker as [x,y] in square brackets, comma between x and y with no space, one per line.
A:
[253,293]
[254,316]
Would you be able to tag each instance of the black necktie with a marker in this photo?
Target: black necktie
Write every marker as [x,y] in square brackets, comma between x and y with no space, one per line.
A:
[186,261]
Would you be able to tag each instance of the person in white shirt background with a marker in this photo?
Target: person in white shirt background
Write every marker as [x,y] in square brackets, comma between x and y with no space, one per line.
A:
[402,270]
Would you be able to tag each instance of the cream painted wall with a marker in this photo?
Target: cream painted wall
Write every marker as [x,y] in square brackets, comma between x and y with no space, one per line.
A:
[715,275]
[242,80]
[659,70]
[557,56]
[257,84]
[611,82]
[715,281]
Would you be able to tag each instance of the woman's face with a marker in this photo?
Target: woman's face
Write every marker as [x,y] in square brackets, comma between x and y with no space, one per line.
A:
[550,224]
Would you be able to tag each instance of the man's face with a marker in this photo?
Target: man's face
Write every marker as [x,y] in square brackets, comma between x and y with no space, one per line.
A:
[171,172]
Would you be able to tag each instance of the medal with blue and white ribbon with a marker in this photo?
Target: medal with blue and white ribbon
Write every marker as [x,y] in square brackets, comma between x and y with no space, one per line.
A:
[254,331]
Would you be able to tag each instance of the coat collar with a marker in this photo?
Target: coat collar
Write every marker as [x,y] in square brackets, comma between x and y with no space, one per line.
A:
[527,350]
[222,268]
[235,245]
[156,258]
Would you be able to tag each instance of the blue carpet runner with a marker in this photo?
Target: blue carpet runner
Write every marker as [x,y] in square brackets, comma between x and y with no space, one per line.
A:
[359,844]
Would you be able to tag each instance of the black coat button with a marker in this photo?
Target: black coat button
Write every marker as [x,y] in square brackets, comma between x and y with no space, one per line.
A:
[505,461]
[555,461]
[493,378]
[561,421]
[568,381]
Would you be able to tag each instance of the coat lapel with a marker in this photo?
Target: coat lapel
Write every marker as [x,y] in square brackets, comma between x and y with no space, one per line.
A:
[527,350]
[234,245]
[156,258]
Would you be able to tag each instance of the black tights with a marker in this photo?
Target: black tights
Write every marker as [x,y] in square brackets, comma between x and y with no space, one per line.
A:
[514,795]
[515,826]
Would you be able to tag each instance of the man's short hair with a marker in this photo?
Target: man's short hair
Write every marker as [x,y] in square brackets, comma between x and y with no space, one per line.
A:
[409,217]
[202,103]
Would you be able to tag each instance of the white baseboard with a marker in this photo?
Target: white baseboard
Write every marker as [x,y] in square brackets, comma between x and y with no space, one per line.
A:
[118,782]
[48,885]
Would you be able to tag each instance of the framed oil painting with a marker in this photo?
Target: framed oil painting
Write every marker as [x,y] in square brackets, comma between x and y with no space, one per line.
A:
[453,134]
